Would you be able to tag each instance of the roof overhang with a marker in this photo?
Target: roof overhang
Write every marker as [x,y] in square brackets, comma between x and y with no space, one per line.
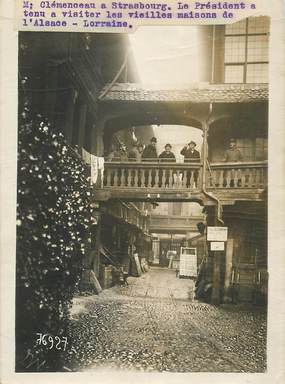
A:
[193,93]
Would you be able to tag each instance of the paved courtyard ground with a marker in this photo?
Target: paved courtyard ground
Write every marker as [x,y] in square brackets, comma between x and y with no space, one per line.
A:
[155,325]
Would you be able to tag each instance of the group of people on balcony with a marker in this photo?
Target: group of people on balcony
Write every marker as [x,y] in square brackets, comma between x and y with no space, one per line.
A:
[149,153]
[139,153]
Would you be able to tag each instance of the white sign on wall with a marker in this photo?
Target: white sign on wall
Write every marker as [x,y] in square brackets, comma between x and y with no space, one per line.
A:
[217,233]
[217,246]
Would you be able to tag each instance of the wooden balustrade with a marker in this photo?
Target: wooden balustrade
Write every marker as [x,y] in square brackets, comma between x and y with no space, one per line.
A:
[230,181]
[152,175]
[159,222]
[237,175]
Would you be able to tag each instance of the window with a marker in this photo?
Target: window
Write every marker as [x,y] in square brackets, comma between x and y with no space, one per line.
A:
[257,73]
[235,49]
[246,51]
[234,73]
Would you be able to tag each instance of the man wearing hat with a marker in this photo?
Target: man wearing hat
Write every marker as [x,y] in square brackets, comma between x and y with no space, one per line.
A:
[191,155]
[167,155]
[150,152]
[233,154]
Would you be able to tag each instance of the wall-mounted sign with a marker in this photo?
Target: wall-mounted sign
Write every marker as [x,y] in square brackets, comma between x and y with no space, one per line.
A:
[217,233]
[217,246]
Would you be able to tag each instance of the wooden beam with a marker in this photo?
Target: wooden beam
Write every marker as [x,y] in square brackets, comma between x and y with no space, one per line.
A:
[228,270]
[97,144]
[82,125]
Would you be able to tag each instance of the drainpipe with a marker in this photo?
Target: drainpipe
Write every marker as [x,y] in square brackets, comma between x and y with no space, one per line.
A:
[205,134]
[216,282]
[205,163]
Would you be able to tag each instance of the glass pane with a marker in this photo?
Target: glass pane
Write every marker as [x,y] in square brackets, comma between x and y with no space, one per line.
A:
[257,48]
[234,73]
[257,73]
[238,28]
[235,49]
[258,24]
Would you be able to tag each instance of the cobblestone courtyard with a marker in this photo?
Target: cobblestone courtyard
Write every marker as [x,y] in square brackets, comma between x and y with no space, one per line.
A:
[154,324]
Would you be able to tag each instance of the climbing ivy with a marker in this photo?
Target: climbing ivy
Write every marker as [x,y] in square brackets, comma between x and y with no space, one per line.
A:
[53,216]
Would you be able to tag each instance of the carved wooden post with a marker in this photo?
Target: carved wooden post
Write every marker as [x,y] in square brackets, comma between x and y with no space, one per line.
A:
[149,178]
[171,178]
[184,179]
[97,144]
[143,178]
[136,179]
[205,126]
[129,178]
[216,278]
[221,179]
[235,177]
[163,180]
[228,178]
[156,178]
[242,178]
[250,177]
[116,178]
[217,260]
[192,180]
[123,177]
[228,270]
[82,125]
[109,175]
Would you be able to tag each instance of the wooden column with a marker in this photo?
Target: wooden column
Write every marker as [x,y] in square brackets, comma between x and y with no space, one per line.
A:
[82,125]
[96,255]
[217,258]
[228,271]
[97,144]
[216,277]
[202,178]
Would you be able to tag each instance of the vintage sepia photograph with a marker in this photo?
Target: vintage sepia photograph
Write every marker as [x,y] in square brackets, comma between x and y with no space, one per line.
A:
[142,200]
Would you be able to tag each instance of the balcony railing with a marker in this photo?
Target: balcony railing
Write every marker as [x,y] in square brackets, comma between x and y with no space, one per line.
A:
[237,175]
[185,176]
[164,222]
[152,175]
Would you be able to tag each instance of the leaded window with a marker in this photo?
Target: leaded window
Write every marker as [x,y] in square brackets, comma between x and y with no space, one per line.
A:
[246,51]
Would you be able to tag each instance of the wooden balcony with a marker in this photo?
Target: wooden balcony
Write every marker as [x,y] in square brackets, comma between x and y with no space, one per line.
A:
[152,175]
[163,181]
[175,224]
[237,175]
[237,181]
